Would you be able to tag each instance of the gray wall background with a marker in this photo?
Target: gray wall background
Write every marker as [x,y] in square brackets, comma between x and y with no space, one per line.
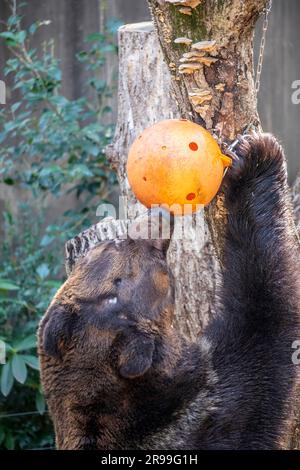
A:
[72,20]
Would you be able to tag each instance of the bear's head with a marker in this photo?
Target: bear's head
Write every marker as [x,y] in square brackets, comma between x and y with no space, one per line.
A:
[117,304]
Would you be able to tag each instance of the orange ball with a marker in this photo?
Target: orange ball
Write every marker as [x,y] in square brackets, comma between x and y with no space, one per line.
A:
[176,162]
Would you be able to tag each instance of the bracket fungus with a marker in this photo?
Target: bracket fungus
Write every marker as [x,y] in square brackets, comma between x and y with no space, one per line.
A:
[185,3]
[206,46]
[208,61]
[195,63]
[189,68]
[202,110]
[186,41]
[197,57]
[198,96]
[193,56]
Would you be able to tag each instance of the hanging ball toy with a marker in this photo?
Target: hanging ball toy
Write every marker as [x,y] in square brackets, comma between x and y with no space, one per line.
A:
[176,163]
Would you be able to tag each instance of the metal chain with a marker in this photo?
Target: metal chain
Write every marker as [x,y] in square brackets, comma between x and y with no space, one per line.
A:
[251,125]
[266,12]
[230,149]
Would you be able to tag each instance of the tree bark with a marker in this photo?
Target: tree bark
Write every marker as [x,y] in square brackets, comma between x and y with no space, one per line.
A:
[212,70]
[223,68]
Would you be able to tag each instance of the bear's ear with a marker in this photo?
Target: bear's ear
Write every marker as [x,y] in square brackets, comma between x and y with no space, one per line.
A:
[56,329]
[155,227]
[136,355]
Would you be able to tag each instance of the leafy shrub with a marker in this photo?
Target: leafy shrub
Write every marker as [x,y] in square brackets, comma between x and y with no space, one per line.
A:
[48,145]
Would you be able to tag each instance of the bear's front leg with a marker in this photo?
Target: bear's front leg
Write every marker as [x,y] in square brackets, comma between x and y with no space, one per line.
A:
[259,304]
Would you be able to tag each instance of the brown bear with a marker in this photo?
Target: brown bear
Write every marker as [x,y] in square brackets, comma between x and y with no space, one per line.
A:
[117,374]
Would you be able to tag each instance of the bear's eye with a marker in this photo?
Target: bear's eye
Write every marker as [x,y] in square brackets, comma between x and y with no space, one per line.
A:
[117,281]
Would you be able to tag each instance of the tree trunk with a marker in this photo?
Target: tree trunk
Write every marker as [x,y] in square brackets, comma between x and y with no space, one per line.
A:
[212,69]
[208,46]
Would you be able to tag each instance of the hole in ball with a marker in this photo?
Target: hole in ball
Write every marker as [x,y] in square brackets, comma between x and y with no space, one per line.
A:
[144,178]
[164,147]
[190,196]
[193,146]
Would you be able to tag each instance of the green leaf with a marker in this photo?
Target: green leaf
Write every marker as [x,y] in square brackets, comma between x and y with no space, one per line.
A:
[81,170]
[15,106]
[2,435]
[31,361]
[25,344]
[21,36]
[50,170]
[13,39]
[108,48]
[7,285]
[6,346]
[33,28]
[53,283]
[113,25]
[19,368]
[59,100]
[9,181]
[9,441]
[95,37]
[43,271]
[82,55]
[7,379]
[46,240]
[7,35]
[40,402]
[14,19]
[6,300]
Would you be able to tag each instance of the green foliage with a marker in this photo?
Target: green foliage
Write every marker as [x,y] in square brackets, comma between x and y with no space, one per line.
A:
[55,141]
[49,145]
[29,277]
